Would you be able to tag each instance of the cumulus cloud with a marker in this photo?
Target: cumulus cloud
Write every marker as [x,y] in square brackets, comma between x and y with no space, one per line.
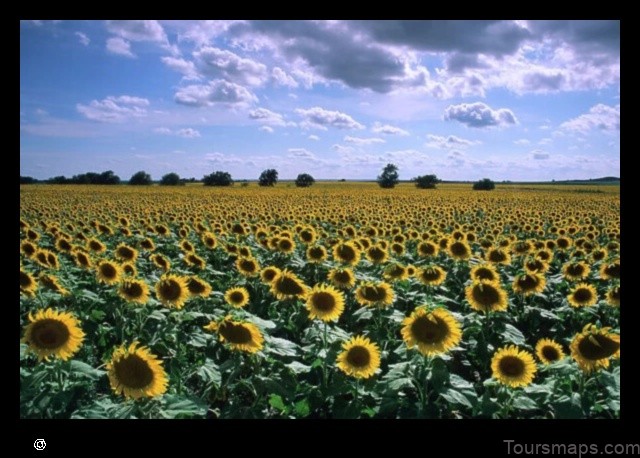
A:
[363,141]
[437,141]
[119,46]
[341,149]
[522,142]
[300,153]
[217,92]
[320,118]
[387,129]
[267,117]
[187,68]
[266,129]
[138,30]
[479,115]
[188,133]
[114,109]
[282,78]
[313,137]
[600,117]
[539,155]
[220,63]
[83,38]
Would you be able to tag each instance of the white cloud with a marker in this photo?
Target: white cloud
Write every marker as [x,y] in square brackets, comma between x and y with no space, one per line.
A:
[300,153]
[320,118]
[119,46]
[267,129]
[437,141]
[539,155]
[522,142]
[387,129]
[138,30]
[83,38]
[269,117]
[363,141]
[479,115]
[115,109]
[163,130]
[313,137]
[220,63]
[187,68]
[186,132]
[217,92]
[282,78]
[341,149]
[600,117]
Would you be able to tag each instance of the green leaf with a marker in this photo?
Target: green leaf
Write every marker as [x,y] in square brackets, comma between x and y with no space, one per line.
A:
[281,347]
[298,368]
[525,403]
[198,340]
[264,324]
[86,370]
[209,373]
[302,408]
[459,383]
[456,398]
[98,315]
[568,407]
[182,407]
[513,335]
[399,383]
[275,401]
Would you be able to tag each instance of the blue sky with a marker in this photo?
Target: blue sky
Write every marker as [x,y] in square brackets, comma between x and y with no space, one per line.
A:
[510,100]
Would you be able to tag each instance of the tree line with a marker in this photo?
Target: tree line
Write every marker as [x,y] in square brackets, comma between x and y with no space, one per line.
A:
[388,178]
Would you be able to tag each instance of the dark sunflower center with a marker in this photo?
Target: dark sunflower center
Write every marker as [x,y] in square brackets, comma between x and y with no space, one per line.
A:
[458,249]
[170,290]
[209,242]
[236,297]
[28,249]
[497,256]
[543,256]
[484,274]
[583,295]
[323,301]
[486,295]
[613,270]
[512,366]
[527,282]
[235,333]
[161,262]
[133,372]
[342,277]
[146,244]
[358,357]
[248,266]
[82,259]
[108,271]
[430,275]
[49,333]
[132,290]
[576,270]
[125,253]
[346,253]
[615,294]
[290,286]
[42,257]
[25,280]
[95,246]
[563,243]
[550,353]
[395,271]
[285,244]
[376,254]
[374,293]
[269,275]
[425,330]
[306,236]
[195,287]
[595,347]
[316,253]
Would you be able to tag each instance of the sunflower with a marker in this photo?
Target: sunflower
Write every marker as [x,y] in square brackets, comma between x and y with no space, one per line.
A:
[51,282]
[529,283]
[360,357]
[535,265]
[209,240]
[484,272]
[316,254]
[286,245]
[549,351]
[498,256]
[82,259]
[486,296]
[613,296]
[426,249]
[432,332]
[431,275]
[459,250]
[28,284]
[248,267]
[133,290]
[342,277]
[161,261]
[395,272]
[126,253]
[287,285]
[593,347]
[610,270]
[411,270]
[563,243]
[513,367]
[186,246]
[136,373]
[198,287]
[53,333]
[544,255]
[324,302]
[573,271]
[96,246]
[377,255]
[599,254]
[172,290]
[268,274]
[308,235]
[242,336]
[347,253]
[108,272]
[583,295]
[41,257]
[237,297]
[147,244]
[63,244]
[375,294]
[28,249]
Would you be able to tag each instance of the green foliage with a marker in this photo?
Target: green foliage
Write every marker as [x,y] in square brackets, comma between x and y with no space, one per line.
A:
[484,185]
[426,181]
[389,176]
[140,178]
[171,179]
[304,180]
[268,177]
[218,178]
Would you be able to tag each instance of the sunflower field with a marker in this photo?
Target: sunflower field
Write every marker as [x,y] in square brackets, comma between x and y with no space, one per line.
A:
[341,300]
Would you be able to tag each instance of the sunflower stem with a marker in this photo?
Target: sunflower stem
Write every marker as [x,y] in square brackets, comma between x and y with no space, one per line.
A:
[324,361]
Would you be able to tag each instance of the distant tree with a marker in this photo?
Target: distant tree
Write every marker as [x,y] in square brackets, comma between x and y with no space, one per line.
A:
[426,181]
[389,176]
[171,179]
[60,179]
[304,180]
[484,185]
[27,180]
[140,178]
[218,178]
[268,177]
[109,177]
